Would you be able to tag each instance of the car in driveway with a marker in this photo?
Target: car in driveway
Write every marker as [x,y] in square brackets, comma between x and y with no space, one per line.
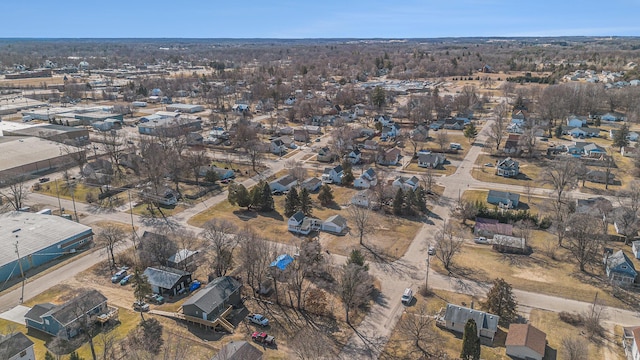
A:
[125,280]
[118,276]
[480,240]
[156,299]
[258,319]
[140,306]
[407,296]
[432,250]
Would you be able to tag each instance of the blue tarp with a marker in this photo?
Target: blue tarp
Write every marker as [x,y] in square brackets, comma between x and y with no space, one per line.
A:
[282,261]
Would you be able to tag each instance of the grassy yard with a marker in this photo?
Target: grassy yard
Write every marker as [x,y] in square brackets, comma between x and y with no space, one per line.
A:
[534,204]
[530,171]
[443,170]
[80,192]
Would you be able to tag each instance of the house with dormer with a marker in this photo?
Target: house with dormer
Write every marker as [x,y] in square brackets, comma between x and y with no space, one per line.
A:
[384,120]
[278,147]
[333,175]
[366,180]
[406,183]
[430,160]
[325,155]
[354,156]
[508,168]
[389,157]
[619,268]
[390,131]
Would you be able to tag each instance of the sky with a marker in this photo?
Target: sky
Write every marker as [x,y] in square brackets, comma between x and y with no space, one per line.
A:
[316,18]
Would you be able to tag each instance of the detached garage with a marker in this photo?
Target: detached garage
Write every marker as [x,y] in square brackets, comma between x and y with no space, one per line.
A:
[334,224]
[526,342]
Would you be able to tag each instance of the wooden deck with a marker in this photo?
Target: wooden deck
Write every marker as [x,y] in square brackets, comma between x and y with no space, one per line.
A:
[220,321]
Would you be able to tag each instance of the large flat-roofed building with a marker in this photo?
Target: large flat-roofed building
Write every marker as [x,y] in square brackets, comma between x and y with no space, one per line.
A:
[52,132]
[40,238]
[26,156]
[91,117]
[169,126]
[185,108]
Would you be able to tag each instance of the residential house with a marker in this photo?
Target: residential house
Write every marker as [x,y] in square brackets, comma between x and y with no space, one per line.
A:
[406,183]
[63,320]
[581,132]
[612,117]
[436,125]
[300,224]
[456,317]
[277,147]
[488,228]
[334,224]
[290,100]
[222,174]
[301,135]
[465,116]
[384,120]
[287,141]
[630,151]
[515,128]
[333,175]
[359,109]
[633,136]
[363,198]
[587,149]
[597,207]
[285,130]
[390,131]
[325,155]
[510,244]
[312,129]
[512,145]
[631,342]
[16,346]
[508,168]
[370,144]
[390,157]
[184,259]
[212,301]
[366,180]
[311,184]
[238,350]
[453,124]
[503,199]
[600,177]
[576,121]
[524,341]
[619,268]
[635,248]
[354,156]
[240,108]
[166,280]
[283,183]
[430,160]
[366,132]
[219,133]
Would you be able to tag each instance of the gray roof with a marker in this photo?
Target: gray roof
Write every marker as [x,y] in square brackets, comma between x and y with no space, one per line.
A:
[164,277]
[214,294]
[459,314]
[311,182]
[35,232]
[284,180]
[238,350]
[182,255]
[338,220]
[36,312]
[371,173]
[12,345]
[298,216]
[17,151]
[508,163]
[69,311]
[504,195]
[619,258]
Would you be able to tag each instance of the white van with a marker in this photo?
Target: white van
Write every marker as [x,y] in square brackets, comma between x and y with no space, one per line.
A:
[455,146]
[407,296]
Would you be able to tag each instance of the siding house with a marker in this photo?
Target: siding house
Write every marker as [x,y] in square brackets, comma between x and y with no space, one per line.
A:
[214,299]
[600,177]
[333,175]
[526,342]
[619,268]
[453,124]
[633,136]
[325,155]
[354,156]
[384,120]
[277,147]
[456,317]
[166,280]
[588,149]
[238,350]
[366,180]
[184,259]
[490,227]
[508,168]
[512,145]
[298,223]
[283,183]
[406,183]
[635,248]
[390,157]
[222,174]
[16,346]
[503,199]
[311,184]
[430,160]
[576,121]
[63,320]
[363,198]
[390,131]
[334,224]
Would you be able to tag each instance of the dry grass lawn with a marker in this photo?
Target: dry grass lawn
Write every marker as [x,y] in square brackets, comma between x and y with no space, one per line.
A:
[530,171]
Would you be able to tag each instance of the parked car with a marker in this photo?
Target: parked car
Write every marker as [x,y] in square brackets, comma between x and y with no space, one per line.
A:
[488,165]
[407,296]
[118,276]
[432,250]
[125,280]
[140,306]
[43,179]
[155,298]
[263,338]
[194,285]
[258,319]
[481,240]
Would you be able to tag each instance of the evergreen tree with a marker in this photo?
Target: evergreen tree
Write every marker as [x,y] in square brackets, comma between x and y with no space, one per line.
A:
[74,356]
[398,202]
[558,131]
[500,301]
[620,139]
[291,202]
[597,122]
[238,195]
[267,198]
[470,132]
[256,197]
[211,176]
[379,97]
[141,287]
[305,202]
[421,199]
[356,257]
[470,342]
[409,202]
[326,195]
[347,174]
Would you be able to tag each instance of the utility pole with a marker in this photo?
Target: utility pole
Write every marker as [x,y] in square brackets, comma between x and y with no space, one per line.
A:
[58,194]
[426,281]
[21,272]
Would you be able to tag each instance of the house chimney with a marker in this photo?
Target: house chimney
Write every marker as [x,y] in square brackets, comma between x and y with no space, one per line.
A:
[471,304]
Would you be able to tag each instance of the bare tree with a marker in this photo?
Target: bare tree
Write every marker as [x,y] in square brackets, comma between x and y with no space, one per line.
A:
[562,175]
[585,239]
[194,161]
[575,348]
[442,139]
[497,128]
[155,248]
[109,238]
[297,170]
[354,287]
[255,257]
[254,151]
[77,152]
[298,272]
[447,245]
[312,344]
[593,319]
[221,242]
[114,146]
[418,328]
[16,191]
[361,217]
